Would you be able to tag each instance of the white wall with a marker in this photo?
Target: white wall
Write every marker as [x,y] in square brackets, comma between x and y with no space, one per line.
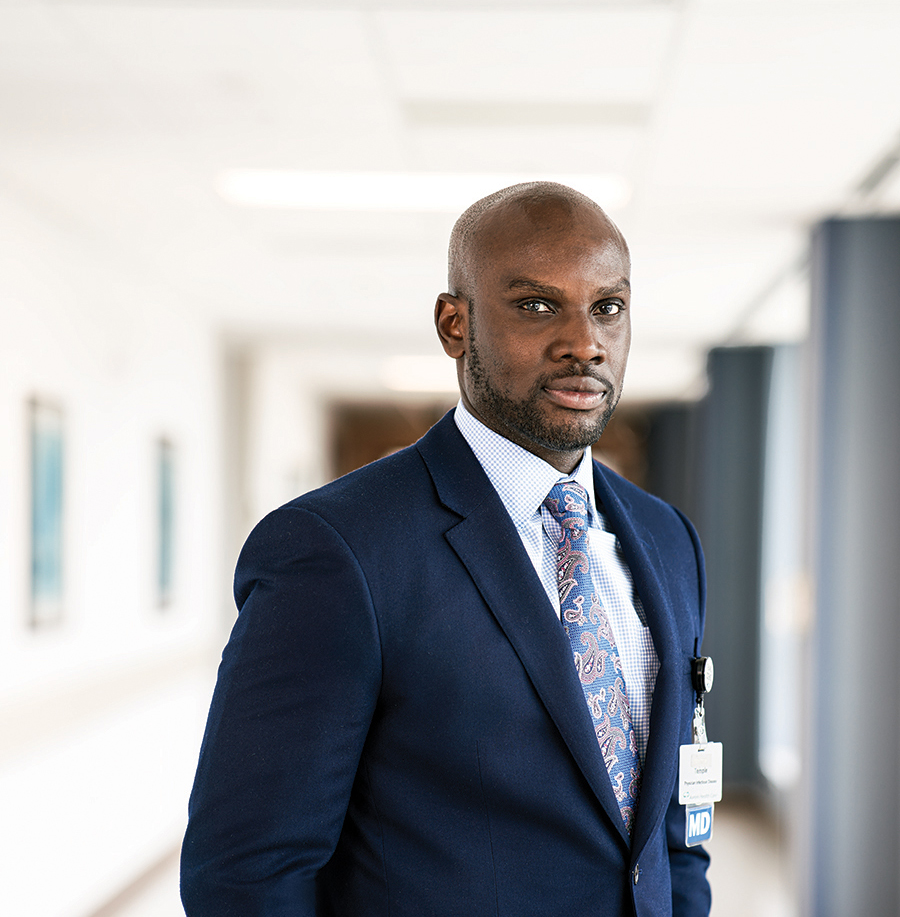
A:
[101,714]
[286,431]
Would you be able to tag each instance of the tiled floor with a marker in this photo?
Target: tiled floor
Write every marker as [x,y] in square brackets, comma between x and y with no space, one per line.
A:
[747,873]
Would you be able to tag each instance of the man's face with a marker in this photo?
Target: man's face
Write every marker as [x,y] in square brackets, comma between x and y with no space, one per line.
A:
[544,337]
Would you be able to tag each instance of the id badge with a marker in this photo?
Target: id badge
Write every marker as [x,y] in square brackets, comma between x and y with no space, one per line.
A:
[700,773]
[699,765]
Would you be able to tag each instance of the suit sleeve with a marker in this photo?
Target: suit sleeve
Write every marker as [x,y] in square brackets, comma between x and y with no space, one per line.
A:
[295,695]
[691,895]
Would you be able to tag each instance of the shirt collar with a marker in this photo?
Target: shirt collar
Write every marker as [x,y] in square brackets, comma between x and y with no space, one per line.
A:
[521,479]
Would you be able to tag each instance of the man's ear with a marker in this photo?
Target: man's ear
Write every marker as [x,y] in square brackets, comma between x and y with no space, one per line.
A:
[451,318]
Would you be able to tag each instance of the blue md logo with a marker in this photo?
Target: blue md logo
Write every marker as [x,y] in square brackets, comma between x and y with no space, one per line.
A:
[699,824]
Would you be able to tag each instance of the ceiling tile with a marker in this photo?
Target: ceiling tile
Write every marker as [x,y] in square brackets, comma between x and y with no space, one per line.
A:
[566,56]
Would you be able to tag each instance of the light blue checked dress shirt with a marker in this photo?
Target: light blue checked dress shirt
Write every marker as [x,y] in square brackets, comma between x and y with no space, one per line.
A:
[522,481]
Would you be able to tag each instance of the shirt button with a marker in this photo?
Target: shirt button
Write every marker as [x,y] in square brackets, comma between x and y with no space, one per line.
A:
[637,874]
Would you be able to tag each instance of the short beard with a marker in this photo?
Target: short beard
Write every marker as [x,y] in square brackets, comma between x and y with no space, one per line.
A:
[524,416]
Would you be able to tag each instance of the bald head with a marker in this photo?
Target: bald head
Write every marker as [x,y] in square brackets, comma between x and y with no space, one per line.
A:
[476,230]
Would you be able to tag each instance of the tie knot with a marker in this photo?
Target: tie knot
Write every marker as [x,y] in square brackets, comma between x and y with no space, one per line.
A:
[568,500]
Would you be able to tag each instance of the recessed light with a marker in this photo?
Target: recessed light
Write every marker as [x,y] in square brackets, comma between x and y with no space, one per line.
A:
[448,192]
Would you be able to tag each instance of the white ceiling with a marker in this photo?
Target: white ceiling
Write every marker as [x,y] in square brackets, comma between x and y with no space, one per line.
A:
[736,123]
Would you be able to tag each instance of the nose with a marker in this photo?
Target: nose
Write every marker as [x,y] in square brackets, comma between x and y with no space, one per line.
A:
[579,338]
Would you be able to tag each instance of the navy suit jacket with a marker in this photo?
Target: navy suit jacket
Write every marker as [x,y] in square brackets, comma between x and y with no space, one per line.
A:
[398,728]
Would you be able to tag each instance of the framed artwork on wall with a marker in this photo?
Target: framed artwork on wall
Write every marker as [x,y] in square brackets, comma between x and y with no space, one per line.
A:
[165,521]
[47,459]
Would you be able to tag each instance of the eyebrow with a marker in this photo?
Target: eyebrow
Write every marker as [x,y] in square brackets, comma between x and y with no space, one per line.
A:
[551,292]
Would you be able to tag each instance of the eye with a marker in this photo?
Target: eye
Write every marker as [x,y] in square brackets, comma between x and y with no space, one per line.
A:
[609,307]
[535,305]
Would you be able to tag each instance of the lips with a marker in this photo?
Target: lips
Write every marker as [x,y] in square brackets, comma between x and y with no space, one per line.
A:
[576,384]
[581,393]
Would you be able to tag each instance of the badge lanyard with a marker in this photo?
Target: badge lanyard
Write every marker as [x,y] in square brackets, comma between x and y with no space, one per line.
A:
[700,763]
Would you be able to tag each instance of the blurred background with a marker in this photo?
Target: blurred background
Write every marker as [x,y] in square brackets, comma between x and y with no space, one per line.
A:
[223,227]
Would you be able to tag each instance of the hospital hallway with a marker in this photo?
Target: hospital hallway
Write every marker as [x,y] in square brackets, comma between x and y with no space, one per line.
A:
[224,228]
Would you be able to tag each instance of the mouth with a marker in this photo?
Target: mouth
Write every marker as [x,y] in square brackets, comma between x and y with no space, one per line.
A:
[580,393]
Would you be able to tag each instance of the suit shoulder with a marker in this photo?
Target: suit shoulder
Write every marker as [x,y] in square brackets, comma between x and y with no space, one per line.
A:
[363,500]
[630,493]
[662,518]
[380,480]
[331,521]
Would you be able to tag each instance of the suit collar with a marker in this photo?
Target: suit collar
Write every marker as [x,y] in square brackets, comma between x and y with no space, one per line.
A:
[522,479]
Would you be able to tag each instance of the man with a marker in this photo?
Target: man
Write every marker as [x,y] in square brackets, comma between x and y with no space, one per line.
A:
[460,675]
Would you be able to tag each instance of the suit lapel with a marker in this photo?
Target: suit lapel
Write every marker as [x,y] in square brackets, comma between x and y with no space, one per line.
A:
[667,712]
[518,602]
[487,543]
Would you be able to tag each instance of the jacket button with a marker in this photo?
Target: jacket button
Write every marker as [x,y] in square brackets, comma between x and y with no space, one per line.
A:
[636,874]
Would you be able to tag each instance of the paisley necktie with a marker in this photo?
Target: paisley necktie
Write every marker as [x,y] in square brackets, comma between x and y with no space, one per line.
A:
[594,645]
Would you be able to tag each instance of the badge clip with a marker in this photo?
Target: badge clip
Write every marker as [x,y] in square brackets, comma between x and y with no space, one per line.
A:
[702,676]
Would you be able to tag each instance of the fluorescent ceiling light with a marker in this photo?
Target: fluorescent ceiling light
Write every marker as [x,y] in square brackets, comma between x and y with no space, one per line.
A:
[420,374]
[395,191]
